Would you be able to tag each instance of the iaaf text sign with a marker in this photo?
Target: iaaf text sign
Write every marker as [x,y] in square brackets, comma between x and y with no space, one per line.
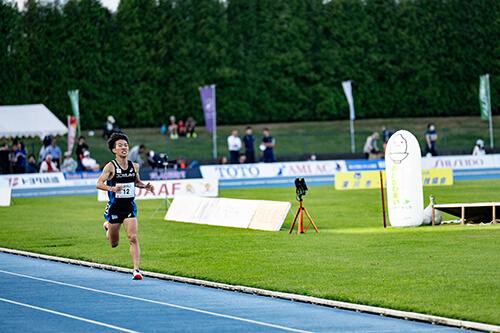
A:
[269,170]
[196,187]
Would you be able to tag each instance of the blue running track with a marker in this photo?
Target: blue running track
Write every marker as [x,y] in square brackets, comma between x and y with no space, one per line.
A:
[46,296]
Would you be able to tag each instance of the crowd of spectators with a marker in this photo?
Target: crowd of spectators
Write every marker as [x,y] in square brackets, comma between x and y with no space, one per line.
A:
[178,129]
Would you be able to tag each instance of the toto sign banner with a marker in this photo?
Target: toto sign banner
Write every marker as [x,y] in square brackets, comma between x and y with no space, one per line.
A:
[270,170]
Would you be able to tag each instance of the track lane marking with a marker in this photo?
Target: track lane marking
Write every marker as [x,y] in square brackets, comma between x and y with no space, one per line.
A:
[160,303]
[68,315]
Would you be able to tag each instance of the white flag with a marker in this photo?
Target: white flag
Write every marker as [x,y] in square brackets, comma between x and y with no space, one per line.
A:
[348,94]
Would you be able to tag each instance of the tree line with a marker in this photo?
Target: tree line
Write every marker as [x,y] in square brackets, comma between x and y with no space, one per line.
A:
[271,60]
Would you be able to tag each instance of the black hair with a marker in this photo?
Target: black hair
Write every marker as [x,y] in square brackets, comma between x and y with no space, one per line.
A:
[115,137]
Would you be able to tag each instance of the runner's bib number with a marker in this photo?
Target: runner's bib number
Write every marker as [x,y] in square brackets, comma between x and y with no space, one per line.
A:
[128,191]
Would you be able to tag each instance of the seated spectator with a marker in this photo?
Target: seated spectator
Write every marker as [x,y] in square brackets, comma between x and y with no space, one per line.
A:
[181,128]
[48,165]
[370,148]
[479,148]
[242,159]
[89,164]
[69,164]
[5,159]
[190,127]
[31,166]
[134,154]
[154,160]
[20,158]
[222,160]
[172,128]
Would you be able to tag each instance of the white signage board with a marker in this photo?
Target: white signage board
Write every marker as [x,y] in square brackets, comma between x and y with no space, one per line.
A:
[170,189]
[5,193]
[237,213]
[270,170]
[403,168]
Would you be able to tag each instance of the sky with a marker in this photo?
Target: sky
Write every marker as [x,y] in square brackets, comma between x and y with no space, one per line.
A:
[110,4]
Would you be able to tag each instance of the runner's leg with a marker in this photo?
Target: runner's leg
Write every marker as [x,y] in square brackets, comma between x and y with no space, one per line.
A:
[130,225]
[113,234]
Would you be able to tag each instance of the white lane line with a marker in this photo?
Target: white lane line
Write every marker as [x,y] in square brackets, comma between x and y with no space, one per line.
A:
[68,315]
[160,303]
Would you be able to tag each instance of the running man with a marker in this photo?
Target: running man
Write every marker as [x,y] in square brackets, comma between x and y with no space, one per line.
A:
[120,177]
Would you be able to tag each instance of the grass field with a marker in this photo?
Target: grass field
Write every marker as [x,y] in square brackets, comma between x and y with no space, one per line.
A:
[448,270]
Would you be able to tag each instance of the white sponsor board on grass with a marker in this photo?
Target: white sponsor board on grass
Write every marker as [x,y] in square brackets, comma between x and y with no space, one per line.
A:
[185,187]
[270,170]
[403,166]
[238,213]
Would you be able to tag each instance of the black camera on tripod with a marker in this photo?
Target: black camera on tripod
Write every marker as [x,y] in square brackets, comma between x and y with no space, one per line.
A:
[300,186]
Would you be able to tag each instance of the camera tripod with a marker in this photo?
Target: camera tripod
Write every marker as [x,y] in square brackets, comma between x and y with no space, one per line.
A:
[300,215]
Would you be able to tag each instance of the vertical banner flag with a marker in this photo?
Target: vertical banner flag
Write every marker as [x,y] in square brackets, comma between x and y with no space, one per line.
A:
[484,97]
[73,97]
[348,94]
[72,126]
[207,94]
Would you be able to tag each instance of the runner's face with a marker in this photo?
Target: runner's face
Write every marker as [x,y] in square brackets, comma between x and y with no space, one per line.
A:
[121,148]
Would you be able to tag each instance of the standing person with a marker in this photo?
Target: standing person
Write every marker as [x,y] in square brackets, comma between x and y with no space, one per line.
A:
[370,146]
[80,148]
[248,140]
[5,159]
[56,153]
[234,145]
[20,155]
[47,140]
[430,140]
[268,143]
[119,178]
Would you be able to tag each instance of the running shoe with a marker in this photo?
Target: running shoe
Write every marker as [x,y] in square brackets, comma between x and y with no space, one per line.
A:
[105,225]
[137,275]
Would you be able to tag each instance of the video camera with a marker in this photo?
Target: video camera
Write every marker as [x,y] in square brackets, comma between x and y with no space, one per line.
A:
[300,186]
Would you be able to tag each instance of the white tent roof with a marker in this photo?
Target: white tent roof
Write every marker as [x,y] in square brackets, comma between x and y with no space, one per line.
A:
[29,121]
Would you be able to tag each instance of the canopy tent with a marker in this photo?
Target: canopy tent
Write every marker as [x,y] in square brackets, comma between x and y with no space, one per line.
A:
[29,121]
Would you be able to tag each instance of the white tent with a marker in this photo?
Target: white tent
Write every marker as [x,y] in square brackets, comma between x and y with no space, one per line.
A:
[29,121]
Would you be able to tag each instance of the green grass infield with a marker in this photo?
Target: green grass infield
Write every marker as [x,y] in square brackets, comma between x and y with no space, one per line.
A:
[447,270]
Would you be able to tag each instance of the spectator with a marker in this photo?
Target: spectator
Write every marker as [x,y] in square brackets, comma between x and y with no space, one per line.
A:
[47,140]
[386,135]
[69,164]
[134,154]
[89,164]
[370,148]
[248,140]
[242,159]
[80,148]
[48,165]
[234,145]
[20,155]
[5,159]
[172,128]
[430,140]
[267,145]
[222,160]
[190,127]
[479,148]
[181,163]
[312,157]
[181,128]
[31,166]
[56,153]
[154,160]
[109,127]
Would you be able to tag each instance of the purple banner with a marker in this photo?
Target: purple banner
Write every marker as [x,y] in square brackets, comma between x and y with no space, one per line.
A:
[207,94]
